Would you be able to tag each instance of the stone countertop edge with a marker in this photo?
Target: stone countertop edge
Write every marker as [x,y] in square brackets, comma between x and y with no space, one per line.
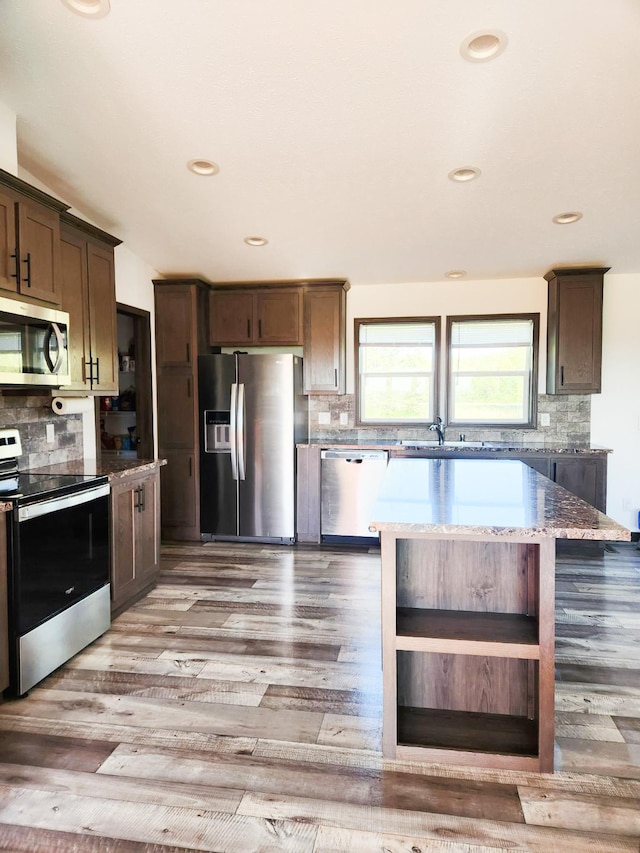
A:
[114,469]
[491,447]
[517,502]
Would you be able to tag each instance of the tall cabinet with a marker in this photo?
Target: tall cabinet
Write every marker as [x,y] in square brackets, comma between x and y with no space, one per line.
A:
[88,293]
[181,307]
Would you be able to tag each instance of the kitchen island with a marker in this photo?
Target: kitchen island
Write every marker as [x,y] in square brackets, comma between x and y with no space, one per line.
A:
[468,588]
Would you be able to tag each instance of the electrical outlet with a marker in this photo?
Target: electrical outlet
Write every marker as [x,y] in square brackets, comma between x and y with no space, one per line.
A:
[324,417]
[545,419]
[50,433]
[627,504]
[344,418]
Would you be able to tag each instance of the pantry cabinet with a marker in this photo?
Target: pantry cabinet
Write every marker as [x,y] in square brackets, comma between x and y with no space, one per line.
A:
[29,241]
[89,295]
[181,332]
[269,316]
[574,330]
[135,537]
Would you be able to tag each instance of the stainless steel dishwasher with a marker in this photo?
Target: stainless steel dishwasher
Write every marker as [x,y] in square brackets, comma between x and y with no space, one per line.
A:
[350,483]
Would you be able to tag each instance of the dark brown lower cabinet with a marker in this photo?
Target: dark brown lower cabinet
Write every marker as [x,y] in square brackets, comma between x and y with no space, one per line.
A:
[135,544]
[180,496]
[4,613]
[585,477]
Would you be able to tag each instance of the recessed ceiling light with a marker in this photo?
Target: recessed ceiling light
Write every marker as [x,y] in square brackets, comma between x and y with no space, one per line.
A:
[203,167]
[456,273]
[88,8]
[483,45]
[256,241]
[464,173]
[567,218]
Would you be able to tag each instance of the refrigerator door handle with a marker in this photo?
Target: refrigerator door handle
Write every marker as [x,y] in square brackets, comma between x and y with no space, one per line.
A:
[233,426]
[240,436]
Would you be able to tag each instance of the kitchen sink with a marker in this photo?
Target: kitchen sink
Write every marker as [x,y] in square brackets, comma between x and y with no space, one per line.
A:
[434,443]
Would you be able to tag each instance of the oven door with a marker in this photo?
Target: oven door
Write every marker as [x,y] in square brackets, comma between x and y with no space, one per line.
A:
[62,554]
[59,582]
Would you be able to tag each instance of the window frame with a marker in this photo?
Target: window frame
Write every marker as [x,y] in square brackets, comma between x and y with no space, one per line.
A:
[531,423]
[437,366]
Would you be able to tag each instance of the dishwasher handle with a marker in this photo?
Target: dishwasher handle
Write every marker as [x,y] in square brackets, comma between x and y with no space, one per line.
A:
[354,456]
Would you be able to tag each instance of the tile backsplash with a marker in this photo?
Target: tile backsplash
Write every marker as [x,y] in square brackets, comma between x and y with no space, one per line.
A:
[569,417]
[30,414]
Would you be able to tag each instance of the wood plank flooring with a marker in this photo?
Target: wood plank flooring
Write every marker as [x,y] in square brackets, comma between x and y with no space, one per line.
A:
[237,709]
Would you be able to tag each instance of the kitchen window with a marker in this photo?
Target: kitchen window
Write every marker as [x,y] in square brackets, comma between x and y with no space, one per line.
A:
[397,370]
[492,370]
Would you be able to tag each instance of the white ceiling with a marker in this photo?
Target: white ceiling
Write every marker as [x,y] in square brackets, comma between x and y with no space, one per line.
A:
[335,124]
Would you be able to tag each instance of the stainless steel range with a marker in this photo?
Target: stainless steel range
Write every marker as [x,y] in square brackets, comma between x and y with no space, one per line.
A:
[58,565]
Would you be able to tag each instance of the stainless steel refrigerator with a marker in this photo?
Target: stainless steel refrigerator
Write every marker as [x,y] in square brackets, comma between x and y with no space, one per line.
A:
[252,415]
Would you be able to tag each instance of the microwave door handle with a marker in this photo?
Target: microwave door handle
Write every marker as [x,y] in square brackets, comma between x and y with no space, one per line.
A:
[241,419]
[233,443]
[53,329]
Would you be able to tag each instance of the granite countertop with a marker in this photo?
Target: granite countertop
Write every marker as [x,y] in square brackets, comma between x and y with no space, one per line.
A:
[491,447]
[114,469]
[484,497]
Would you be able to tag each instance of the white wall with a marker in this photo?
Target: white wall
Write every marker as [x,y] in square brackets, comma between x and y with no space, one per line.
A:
[615,413]
[8,141]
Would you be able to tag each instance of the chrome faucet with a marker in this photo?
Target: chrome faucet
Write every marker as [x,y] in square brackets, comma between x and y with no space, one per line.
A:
[437,427]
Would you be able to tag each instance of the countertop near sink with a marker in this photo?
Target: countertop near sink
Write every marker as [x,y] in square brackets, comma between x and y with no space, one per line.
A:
[491,447]
[114,469]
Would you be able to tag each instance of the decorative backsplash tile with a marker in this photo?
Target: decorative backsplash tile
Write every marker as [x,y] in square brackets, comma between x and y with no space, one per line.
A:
[569,423]
[30,414]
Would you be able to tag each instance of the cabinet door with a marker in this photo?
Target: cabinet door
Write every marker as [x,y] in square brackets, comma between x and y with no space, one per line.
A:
[180,509]
[123,555]
[102,317]
[8,276]
[39,243]
[176,336]
[279,316]
[575,331]
[231,317]
[324,340]
[177,427]
[76,302]
[586,478]
[147,533]
[539,462]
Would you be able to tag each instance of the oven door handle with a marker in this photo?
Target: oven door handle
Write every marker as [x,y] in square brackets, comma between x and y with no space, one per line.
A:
[54,329]
[39,508]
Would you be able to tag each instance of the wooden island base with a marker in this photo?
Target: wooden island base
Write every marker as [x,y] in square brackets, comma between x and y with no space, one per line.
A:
[468,609]
[468,650]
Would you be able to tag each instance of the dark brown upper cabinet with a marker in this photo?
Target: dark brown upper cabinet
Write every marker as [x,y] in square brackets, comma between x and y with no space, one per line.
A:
[574,330]
[29,241]
[268,316]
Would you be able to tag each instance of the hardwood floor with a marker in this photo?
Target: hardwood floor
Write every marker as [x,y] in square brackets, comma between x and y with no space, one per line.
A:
[238,708]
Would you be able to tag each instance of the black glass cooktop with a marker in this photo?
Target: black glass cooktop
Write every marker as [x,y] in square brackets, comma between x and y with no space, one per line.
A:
[26,488]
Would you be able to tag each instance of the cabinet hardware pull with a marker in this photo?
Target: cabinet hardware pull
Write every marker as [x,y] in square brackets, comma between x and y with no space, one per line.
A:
[97,370]
[136,499]
[249,329]
[259,328]
[562,375]
[16,274]
[190,468]
[335,374]
[142,498]
[27,261]
[188,353]
[88,374]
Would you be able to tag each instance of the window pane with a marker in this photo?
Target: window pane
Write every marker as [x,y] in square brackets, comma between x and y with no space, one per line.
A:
[494,359]
[491,367]
[490,399]
[397,333]
[381,359]
[400,398]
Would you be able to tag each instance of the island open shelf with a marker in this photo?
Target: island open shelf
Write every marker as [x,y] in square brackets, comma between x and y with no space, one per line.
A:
[468,609]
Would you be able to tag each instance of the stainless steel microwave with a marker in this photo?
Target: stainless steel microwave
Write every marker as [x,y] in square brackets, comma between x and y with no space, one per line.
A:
[34,345]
